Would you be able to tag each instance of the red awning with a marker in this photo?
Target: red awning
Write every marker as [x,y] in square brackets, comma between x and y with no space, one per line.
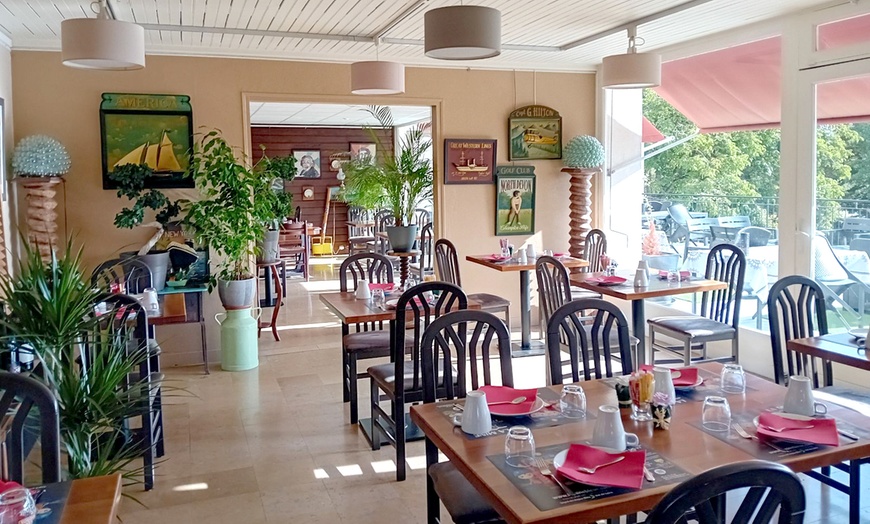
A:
[738,88]
[651,135]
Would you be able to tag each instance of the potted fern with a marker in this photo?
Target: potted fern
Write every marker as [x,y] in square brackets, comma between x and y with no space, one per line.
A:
[399,181]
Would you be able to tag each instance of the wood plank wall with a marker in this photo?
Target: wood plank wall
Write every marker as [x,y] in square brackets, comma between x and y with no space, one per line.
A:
[281,141]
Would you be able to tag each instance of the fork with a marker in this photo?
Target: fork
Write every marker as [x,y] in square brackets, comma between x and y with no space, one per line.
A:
[590,471]
[545,471]
[742,432]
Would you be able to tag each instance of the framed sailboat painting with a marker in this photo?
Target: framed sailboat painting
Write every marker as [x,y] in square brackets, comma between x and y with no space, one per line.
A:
[147,129]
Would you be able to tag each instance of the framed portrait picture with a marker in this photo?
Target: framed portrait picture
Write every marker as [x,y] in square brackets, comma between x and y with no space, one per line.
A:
[147,129]
[535,132]
[363,151]
[515,200]
[469,161]
[307,162]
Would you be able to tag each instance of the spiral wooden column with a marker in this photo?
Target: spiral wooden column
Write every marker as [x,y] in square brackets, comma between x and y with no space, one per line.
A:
[581,208]
[41,215]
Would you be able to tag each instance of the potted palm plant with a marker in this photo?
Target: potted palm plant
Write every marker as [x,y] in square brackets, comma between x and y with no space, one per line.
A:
[399,181]
[237,201]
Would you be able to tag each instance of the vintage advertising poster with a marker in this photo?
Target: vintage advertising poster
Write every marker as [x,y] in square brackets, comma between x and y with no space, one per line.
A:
[535,132]
[147,129]
[515,200]
[469,161]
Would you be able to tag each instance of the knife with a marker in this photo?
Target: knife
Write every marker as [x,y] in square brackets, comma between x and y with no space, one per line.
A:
[648,475]
[848,435]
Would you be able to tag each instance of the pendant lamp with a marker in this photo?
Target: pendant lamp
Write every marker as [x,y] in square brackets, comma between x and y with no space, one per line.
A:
[462,32]
[632,70]
[102,43]
[377,78]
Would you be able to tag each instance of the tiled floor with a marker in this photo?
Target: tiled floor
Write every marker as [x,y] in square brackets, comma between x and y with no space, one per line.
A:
[274,444]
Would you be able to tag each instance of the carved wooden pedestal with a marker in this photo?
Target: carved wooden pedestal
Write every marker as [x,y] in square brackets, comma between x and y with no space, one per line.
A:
[581,208]
[41,215]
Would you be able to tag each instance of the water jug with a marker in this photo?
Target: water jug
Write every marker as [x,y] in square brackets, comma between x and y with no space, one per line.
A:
[239,349]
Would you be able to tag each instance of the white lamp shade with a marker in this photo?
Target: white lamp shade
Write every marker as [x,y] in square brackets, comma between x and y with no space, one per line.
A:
[463,32]
[377,78]
[99,43]
[632,71]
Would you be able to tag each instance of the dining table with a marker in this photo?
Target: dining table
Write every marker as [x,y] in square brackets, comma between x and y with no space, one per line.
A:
[92,500]
[526,346]
[836,347]
[523,495]
[656,288]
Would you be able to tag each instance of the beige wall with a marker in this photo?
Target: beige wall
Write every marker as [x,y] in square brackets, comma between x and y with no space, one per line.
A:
[64,102]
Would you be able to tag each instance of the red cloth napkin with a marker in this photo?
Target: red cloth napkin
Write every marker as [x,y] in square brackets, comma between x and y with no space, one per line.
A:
[823,430]
[496,258]
[6,486]
[684,275]
[687,376]
[502,393]
[625,474]
[605,280]
[560,255]
[387,287]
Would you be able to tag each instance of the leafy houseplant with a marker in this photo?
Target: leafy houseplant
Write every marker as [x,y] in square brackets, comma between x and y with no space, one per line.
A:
[398,181]
[237,202]
[281,170]
[51,309]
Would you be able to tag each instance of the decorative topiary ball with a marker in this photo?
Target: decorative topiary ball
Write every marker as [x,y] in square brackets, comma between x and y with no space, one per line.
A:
[584,152]
[40,155]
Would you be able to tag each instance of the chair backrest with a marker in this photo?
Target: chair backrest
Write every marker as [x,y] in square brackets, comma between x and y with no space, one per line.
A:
[680,214]
[772,487]
[374,267]
[726,263]
[291,238]
[860,244]
[758,236]
[422,217]
[383,219]
[447,262]
[796,309]
[358,215]
[587,326]
[827,265]
[426,246]
[733,221]
[20,394]
[595,246]
[856,224]
[127,275]
[415,313]
[447,346]
[554,288]
[655,205]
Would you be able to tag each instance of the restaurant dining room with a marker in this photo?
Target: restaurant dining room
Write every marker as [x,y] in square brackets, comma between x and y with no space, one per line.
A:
[428,261]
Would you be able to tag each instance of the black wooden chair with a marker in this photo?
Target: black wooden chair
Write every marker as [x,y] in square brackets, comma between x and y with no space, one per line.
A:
[358,236]
[447,269]
[594,246]
[370,339]
[424,263]
[402,380]
[595,333]
[20,395]
[720,310]
[128,275]
[771,487]
[459,350]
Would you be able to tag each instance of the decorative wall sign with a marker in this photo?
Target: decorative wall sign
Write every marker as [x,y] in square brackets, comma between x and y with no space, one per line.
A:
[307,192]
[515,200]
[308,161]
[469,161]
[534,132]
[147,129]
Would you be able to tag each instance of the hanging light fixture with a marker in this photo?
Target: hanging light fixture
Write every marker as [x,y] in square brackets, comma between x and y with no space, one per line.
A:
[462,32]
[632,70]
[102,42]
[377,78]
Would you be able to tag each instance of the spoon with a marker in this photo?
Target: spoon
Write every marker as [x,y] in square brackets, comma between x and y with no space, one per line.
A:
[592,470]
[518,400]
[780,430]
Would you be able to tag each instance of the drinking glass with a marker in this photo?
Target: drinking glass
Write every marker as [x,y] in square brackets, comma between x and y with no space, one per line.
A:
[16,506]
[519,447]
[717,414]
[573,401]
[378,298]
[641,391]
[733,379]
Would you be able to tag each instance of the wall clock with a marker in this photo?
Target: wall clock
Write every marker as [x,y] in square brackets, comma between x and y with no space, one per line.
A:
[308,193]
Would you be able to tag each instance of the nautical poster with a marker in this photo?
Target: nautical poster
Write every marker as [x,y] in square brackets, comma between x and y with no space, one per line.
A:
[147,129]
[515,200]
[469,161]
[534,132]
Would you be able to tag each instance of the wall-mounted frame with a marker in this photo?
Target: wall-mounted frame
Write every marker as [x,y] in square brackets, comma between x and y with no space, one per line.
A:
[334,191]
[307,162]
[363,150]
[515,200]
[469,161]
[152,129]
[307,192]
[534,133]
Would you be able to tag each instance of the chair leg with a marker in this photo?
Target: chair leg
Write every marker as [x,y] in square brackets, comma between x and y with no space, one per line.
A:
[399,432]
[433,503]
[734,349]
[507,318]
[353,388]
[376,430]
[687,352]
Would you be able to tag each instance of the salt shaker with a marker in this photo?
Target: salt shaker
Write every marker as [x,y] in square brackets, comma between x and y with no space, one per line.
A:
[362,290]
[522,257]
[640,278]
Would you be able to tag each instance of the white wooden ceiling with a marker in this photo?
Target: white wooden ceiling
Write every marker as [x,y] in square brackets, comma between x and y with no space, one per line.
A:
[535,33]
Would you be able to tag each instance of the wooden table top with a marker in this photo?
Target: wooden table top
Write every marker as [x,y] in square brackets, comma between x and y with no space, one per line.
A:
[687,446]
[568,262]
[837,348]
[657,287]
[352,310]
[93,501]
